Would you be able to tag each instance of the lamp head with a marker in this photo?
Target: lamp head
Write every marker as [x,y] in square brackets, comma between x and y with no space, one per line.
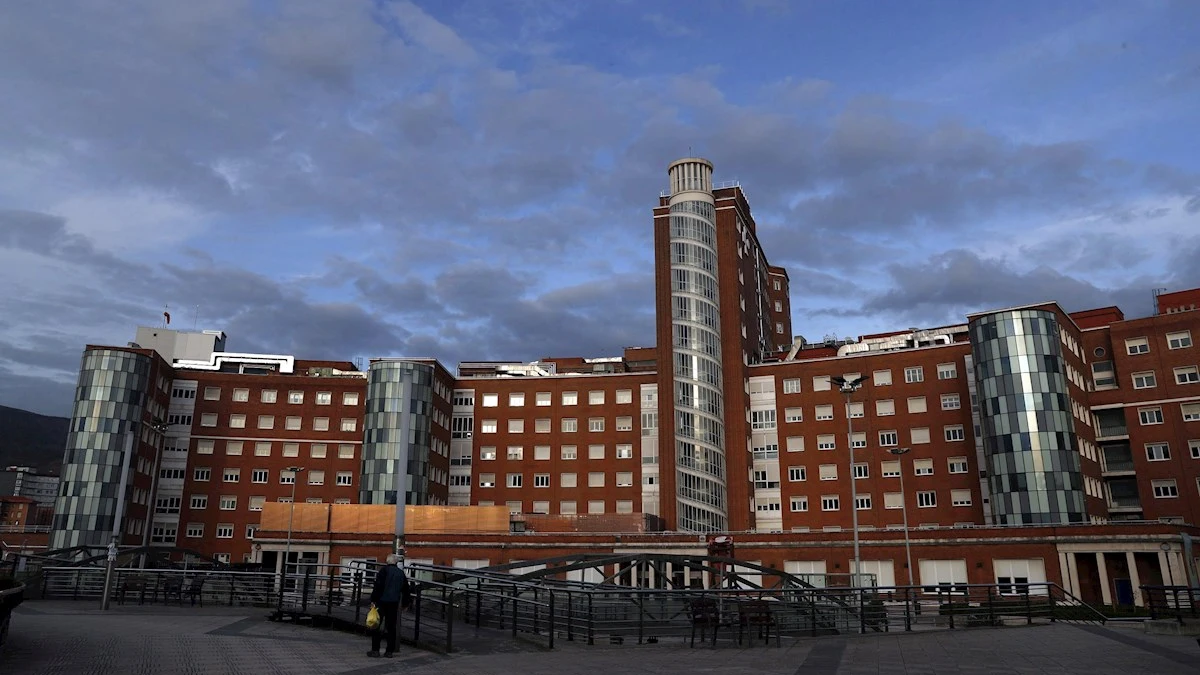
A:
[899,451]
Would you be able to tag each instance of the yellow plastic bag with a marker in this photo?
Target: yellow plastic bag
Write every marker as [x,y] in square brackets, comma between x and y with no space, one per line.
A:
[373,618]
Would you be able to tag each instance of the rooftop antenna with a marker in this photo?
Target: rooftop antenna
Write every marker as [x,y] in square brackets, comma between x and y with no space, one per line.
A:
[195,317]
[166,315]
[1155,293]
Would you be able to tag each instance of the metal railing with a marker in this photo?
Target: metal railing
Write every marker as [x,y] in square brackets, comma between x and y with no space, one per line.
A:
[490,604]
[1181,603]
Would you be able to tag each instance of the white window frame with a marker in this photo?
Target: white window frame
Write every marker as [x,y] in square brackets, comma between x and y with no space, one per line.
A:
[1137,346]
[1175,340]
[914,374]
[1158,451]
[1150,416]
[1145,379]
[1186,375]
[947,371]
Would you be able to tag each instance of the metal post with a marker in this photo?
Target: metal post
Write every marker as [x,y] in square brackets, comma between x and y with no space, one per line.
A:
[161,430]
[287,550]
[109,571]
[854,568]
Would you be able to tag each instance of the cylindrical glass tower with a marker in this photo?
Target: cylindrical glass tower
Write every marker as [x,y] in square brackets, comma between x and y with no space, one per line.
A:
[1028,435]
[397,432]
[110,400]
[696,350]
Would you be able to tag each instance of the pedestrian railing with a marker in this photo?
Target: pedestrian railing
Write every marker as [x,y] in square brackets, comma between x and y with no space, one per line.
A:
[1181,603]
[452,604]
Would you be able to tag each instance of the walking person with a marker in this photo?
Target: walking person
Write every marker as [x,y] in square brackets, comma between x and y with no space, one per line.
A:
[391,591]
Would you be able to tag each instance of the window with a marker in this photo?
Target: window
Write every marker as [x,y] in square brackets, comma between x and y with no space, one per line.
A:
[762,419]
[241,395]
[797,474]
[487,427]
[542,426]
[799,504]
[862,502]
[926,499]
[914,374]
[1194,447]
[180,392]
[595,452]
[1144,380]
[1150,416]
[185,420]
[199,502]
[231,475]
[570,398]
[955,432]
[567,508]
[882,378]
[596,424]
[1190,411]
[541,452]
[947,371]
[861,471]
[516,426]
[919,435]
[318,450]
[596,506]
[893,500]
[490,400]
[1158,452]
[624,396]
[291,450]
[228,503]
[596,479]
[795,444]
[624,451]
[649,423]
[292,423]
[957,464]
[1165,489]
[515,480]
[349,424]
[793,415]
[858,440]
[224,531]
[763,480]
[791,385]
[268,395]
[263,449]
[205,446]
[570,425]
[778,326]
[1180,340]
[951,402]
[826,442]
[200,474]
[1103,375]
[830,503]
[625,423]
[516,452]
[889,469]
[824,412]
[320,424]
[960,497]
[287,477]
[168,504]
[345,451]
[175,474]
[487,480]
[212,393]
[516,400]
[595,398]
[822,383]
[195,530]
[828,472]
[487,453]
[208,420]
[568,480]
[568,452]
[237,421]
[297,397]
[460,480]
[888,438]
[258,476]
[464,397]
[922,467]
[541,480]
[916,404]
[1187,375]
[855,410]
[885,407]
[1135,346]
[350,398]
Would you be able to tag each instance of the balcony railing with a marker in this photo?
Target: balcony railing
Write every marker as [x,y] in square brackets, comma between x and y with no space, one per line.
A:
[1118,464]
[1110,430]
[1125,503]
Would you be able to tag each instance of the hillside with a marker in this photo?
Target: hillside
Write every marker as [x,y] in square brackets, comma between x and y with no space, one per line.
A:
[29,439]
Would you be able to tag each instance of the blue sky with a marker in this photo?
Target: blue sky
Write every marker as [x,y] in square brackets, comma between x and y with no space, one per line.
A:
[473,179]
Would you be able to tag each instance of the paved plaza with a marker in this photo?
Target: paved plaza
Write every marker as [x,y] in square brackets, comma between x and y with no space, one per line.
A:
[75,638]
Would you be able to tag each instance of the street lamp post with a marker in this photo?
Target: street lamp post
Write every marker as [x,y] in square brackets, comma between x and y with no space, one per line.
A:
[848,387]
[287,550]
[900,452]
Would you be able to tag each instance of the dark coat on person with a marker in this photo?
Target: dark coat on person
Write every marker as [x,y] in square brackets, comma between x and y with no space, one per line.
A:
[391,587]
